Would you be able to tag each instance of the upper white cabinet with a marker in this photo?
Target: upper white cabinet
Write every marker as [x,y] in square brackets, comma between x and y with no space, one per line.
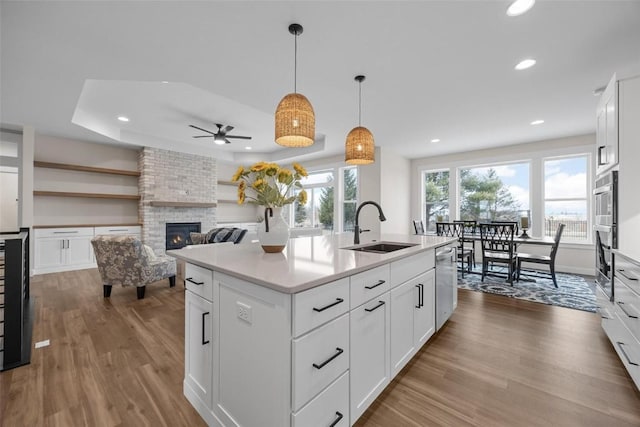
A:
[607,128]
[629,173]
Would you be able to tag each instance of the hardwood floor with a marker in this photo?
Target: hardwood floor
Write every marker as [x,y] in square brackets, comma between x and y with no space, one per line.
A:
[497,362]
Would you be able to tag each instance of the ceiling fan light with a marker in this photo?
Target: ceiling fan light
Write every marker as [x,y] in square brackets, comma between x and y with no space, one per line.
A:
[360,147]
[219,140]
[295,121]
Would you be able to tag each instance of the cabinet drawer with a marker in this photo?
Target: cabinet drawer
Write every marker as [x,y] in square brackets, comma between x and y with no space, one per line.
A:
[63,232]
[319,305]
[119,230]
[626,273]
[199,281]
[628,349]
[319,358]
[627,306]
[369,284]
[408,268]
[330,408]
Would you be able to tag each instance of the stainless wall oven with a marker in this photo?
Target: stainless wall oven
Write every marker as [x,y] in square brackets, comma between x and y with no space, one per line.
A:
[606,228]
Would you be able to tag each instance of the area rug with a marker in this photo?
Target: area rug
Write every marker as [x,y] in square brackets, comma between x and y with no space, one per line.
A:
[572,292]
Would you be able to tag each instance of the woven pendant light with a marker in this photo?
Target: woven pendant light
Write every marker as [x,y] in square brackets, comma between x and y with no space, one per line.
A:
[295,119]
[360,147]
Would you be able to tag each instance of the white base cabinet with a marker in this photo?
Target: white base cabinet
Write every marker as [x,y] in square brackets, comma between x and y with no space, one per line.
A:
[258,357]
[63,249]
[66,249]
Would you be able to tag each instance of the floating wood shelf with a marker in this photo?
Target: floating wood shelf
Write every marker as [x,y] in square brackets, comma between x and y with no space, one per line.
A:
[131,224]
[80,168]
[171,204]
[235,202]
[87,195]
[221,182]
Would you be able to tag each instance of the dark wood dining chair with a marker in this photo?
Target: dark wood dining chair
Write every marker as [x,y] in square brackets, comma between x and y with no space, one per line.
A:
[470,227]
[452,229]
[497,245]
[418,226]
[549,260]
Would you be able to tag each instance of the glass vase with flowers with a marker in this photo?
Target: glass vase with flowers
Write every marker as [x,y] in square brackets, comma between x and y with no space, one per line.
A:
[271,186]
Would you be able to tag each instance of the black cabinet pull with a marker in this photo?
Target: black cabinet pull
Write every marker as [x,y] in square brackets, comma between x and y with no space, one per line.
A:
[339,351]
[622,307]
[337,420]
[338,301]
[381,303]
[626,356]
[419,296]
[380,282]
[422,295]
[190,279]
[204,342]
[622,273]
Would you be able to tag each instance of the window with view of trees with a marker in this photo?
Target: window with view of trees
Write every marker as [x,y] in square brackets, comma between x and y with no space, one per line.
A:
[436,198]
[494,193]
[565,197]
[318,212]
[349,197]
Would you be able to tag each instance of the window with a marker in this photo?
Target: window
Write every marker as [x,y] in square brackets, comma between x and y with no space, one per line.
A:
[349,197]
[565,197]
[436,198]
[493,193]
[318,212]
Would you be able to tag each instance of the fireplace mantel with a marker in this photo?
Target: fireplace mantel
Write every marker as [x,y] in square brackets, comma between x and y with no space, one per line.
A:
[174,204]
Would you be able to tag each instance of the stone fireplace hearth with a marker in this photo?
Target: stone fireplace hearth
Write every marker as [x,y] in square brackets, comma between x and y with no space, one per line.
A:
[175,188]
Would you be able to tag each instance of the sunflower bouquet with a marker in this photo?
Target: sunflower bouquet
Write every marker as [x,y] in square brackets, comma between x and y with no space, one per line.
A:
[269,185]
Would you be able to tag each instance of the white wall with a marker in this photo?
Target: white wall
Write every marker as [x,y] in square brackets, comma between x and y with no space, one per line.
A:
[395,184]
[369,187]
[573,258]
[8,200]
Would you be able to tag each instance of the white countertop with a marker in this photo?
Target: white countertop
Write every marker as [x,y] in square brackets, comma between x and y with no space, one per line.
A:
[306,262]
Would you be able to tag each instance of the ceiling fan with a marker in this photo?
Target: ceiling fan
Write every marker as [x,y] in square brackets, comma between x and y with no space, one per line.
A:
[221,136]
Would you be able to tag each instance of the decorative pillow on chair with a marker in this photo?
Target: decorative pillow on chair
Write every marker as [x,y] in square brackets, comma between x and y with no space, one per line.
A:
[198,238]
[149,252]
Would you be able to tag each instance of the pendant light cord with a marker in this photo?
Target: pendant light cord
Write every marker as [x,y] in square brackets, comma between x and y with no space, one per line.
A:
[359,103]
[295,63]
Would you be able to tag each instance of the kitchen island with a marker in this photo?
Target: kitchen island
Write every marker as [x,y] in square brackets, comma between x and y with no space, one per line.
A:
[310,336]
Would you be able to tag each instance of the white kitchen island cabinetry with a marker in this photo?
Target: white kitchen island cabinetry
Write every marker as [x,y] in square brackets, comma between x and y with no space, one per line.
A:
[299,343]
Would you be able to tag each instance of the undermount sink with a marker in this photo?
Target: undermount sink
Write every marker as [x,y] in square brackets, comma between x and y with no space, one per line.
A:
[382,247]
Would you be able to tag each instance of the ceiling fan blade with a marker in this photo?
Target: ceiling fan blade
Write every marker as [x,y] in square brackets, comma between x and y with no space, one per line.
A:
[204,136]
[203,130]
[227,141]
[237,137]
[226,129]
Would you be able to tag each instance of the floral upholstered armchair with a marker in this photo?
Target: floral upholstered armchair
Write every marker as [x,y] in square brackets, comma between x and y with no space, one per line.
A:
[125,261]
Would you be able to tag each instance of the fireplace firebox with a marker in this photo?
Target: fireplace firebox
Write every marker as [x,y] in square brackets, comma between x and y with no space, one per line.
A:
[177,235]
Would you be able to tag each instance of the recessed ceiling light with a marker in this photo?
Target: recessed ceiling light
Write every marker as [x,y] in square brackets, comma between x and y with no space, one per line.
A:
[519,7]
[247,148]
[524,64]
[164,81]
[123,118]
[537,122]
[435,140]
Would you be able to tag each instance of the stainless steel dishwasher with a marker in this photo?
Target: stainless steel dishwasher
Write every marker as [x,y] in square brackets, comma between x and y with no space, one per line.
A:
[446,282]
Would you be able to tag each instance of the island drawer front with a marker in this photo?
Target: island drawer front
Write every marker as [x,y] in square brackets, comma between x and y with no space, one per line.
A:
[627,306]
[409,267]
[328,349]
[119,230]
[329,408]
[627,273]
[199,281]
[318,305]
[369,284]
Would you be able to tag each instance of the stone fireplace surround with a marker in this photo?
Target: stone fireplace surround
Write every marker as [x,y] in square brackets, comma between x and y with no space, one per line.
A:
[174,187]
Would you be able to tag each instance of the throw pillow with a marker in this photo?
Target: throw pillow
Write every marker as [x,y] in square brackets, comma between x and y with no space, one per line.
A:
[198,238]
[149,252]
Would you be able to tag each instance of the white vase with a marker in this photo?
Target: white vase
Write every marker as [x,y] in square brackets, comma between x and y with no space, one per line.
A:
[273,232]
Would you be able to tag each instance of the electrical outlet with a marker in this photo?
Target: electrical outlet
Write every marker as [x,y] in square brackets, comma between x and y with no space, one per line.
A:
[244,311]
